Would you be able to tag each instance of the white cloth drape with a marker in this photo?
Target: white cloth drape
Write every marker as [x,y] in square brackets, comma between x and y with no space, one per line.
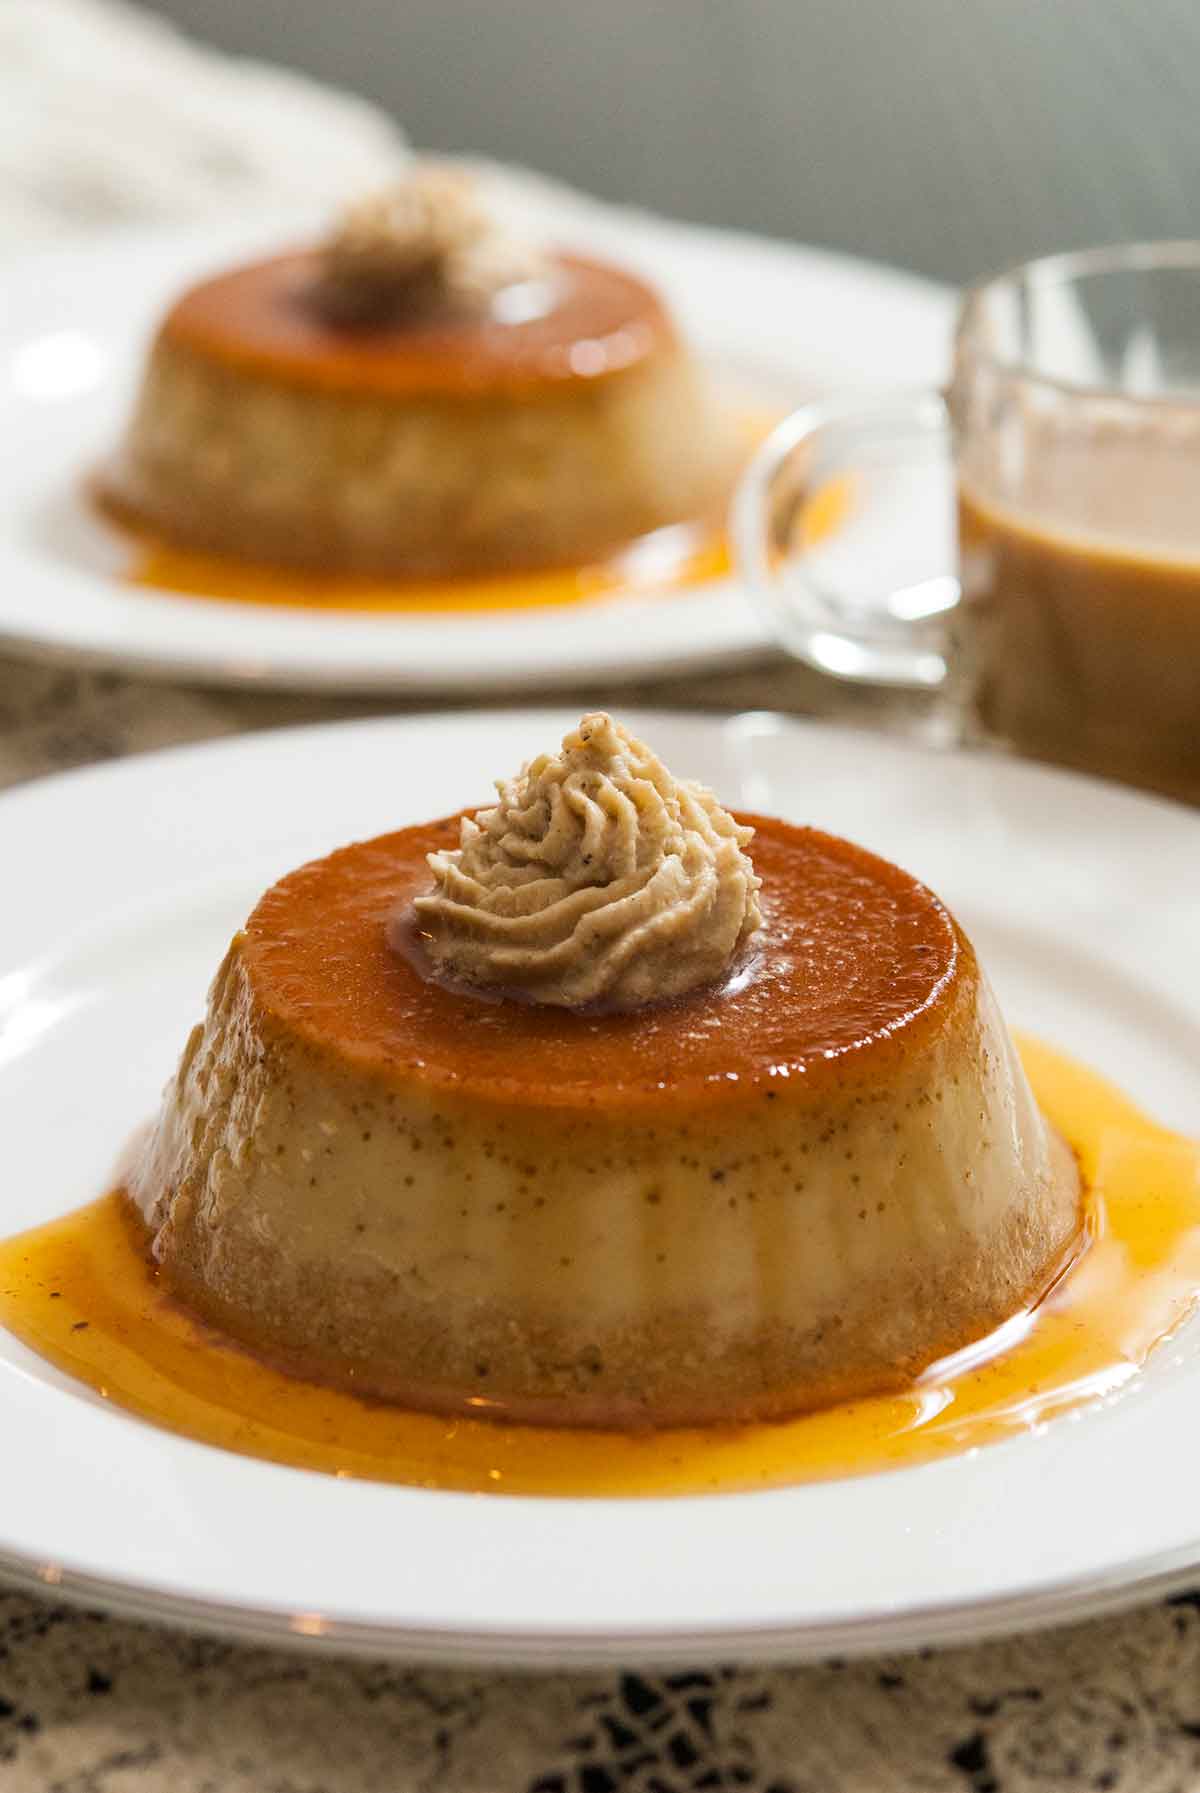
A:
[109,115]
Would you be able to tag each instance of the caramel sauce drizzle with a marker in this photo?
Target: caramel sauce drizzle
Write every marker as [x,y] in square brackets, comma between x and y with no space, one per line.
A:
[81,1293]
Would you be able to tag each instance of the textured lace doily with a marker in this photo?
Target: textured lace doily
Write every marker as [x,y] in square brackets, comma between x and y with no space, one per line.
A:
[89,1705]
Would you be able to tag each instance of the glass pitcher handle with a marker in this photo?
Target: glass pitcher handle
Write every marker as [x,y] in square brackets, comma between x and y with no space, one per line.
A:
[843,527]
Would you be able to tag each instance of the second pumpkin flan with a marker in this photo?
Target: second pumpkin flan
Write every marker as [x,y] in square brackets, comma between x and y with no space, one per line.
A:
[421,394]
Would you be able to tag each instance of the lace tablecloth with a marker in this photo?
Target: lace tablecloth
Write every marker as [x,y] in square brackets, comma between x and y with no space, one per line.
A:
[90,1704]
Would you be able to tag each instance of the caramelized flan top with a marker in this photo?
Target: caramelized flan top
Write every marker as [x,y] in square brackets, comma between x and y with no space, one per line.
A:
[855,963]
[264,319]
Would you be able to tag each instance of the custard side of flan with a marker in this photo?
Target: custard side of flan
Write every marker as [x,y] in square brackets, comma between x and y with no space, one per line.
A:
[796,1186]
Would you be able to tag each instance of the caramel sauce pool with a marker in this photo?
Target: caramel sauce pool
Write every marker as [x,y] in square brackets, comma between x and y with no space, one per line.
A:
[81,1293]
[669,560]
[673,559]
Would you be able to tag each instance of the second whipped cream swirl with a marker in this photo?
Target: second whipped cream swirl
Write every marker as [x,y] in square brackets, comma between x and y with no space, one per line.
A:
[597,878]
[427,243]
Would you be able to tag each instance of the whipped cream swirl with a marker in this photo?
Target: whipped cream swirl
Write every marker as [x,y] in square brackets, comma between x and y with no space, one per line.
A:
[598,878]
[427,241]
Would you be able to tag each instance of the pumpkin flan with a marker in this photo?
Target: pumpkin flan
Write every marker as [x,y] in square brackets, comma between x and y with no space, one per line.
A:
[439,1141]
[420,395]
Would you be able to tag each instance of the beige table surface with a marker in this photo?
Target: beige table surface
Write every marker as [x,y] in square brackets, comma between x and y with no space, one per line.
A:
[90,1704]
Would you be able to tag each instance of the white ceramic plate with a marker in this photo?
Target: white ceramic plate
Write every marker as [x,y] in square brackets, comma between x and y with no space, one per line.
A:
[122,887]
[778,323]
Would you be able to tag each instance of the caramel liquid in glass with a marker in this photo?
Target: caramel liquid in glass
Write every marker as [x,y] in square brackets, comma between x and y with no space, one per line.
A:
[1083,605]
[82,1293]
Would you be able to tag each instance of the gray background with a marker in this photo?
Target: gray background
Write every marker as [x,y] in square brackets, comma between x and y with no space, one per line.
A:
[951,136]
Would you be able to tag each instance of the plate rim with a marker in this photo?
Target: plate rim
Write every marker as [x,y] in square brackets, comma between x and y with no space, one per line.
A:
[943,1624]
[553,710]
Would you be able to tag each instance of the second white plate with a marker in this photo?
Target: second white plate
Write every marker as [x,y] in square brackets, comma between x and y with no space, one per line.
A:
[781,323]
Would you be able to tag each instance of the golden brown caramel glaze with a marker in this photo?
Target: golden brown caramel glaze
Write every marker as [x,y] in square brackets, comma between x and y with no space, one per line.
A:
[263,319]
[856,958]
[769,1195]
